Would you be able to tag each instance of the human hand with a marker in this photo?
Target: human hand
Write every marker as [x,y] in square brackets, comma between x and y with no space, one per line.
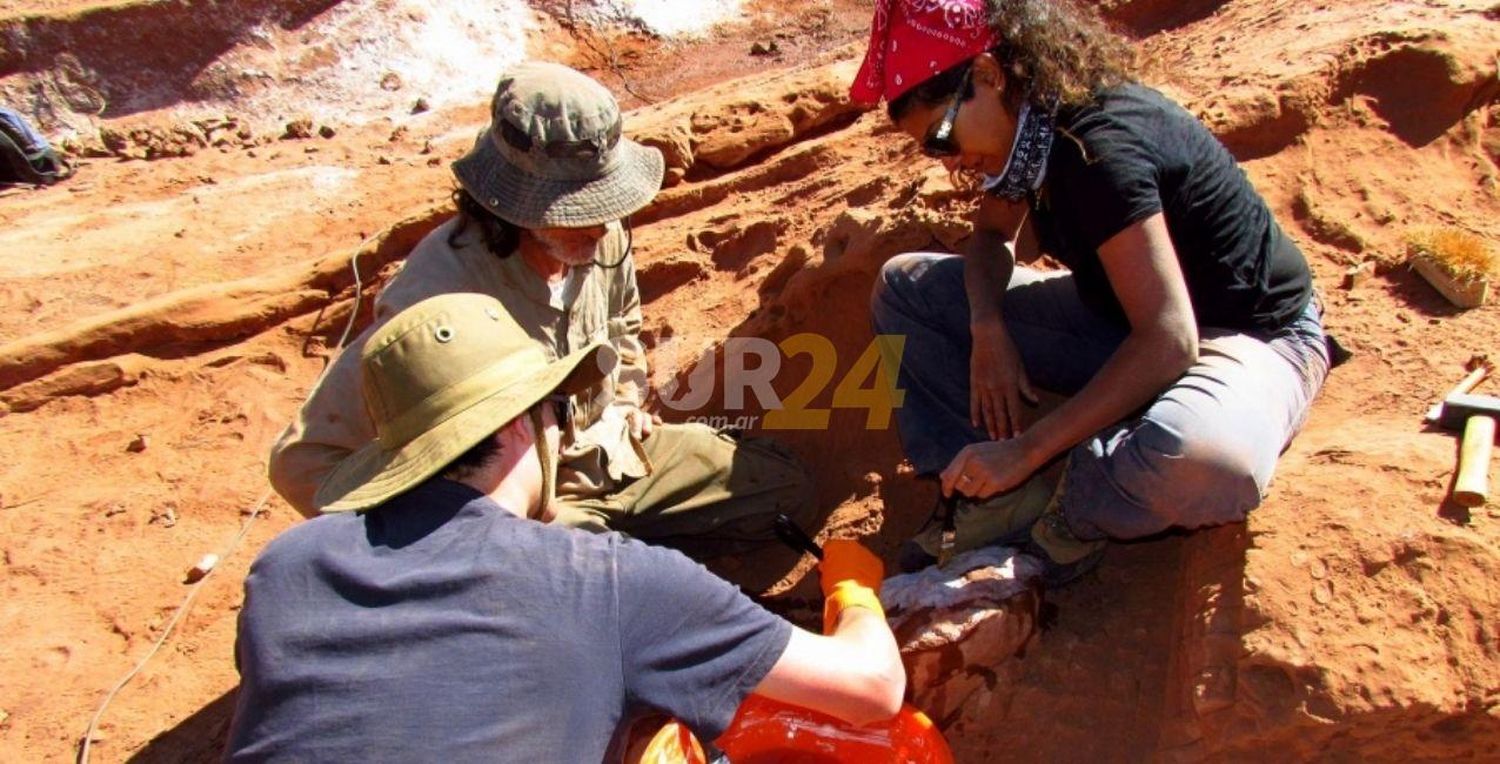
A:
[997,381]
[641,423]
[981,470]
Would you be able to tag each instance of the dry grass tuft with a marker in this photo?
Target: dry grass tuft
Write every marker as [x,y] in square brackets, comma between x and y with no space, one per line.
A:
[1463,255]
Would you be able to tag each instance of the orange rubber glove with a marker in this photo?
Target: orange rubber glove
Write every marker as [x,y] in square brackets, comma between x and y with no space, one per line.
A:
[851,576]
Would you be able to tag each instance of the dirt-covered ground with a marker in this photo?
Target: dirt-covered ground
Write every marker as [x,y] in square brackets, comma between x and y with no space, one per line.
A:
[163,313]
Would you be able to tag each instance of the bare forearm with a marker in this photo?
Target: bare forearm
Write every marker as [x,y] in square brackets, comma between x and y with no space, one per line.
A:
[1142,367]
[988,263]
[854,674]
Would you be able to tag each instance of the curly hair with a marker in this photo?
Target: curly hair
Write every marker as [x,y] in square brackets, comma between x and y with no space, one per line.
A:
[500,235]
[1049,49]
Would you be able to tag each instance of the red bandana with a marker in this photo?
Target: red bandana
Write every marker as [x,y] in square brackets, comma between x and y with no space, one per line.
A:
[912,40]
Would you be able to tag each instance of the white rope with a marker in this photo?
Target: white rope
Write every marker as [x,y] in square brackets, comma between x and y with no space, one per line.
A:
[83,753]
[93,730]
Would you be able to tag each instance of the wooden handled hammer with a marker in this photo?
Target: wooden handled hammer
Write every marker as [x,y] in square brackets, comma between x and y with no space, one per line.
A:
[1475,415]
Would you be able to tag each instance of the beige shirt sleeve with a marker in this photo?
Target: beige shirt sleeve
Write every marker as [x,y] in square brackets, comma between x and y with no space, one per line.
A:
[631,378]
[600,452]
[330,425]
[333,422]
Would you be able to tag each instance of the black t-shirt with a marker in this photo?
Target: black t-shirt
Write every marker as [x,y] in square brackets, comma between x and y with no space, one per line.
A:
[1133,153]
[440,627]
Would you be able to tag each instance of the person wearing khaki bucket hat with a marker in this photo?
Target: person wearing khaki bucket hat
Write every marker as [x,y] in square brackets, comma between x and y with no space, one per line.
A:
[541,204]
[439,381]
[433,614]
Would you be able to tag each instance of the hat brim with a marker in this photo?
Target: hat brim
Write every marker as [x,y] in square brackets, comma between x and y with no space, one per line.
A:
[528,201]
[373,475]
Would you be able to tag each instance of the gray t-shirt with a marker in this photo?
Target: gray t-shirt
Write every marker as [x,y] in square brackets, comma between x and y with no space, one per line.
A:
[440,627]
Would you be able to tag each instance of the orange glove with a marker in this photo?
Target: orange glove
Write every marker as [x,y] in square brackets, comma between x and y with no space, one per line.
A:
[851,576]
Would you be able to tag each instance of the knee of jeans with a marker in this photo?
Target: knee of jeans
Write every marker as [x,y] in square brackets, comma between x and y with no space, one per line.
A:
[894,280]
[1147,478]
[1189,480]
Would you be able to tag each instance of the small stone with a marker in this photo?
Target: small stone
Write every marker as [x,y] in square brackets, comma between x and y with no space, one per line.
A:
[1322,593]
[420,106]
[298,129]
[1318,569]
[390,81]
[765,48]
[203,568]
[1359,274]
[138,445]
[166,517]
[434,162]
[382,159]
[327,132]
[426,147]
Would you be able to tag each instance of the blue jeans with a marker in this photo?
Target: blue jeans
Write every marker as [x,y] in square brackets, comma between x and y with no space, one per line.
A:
[1202,453]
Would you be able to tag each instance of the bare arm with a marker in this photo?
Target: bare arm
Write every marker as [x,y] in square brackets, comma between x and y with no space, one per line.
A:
[854,674]
[997,379]
[988,257]
[1163,342]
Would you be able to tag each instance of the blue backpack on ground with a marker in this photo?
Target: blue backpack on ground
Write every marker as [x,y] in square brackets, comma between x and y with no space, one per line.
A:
[25,156]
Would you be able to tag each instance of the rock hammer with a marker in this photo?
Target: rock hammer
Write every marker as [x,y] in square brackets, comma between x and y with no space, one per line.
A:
[1475,415]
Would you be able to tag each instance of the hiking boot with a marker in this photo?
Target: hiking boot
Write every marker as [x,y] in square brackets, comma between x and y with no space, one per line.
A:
[1064,556]
[1003,519]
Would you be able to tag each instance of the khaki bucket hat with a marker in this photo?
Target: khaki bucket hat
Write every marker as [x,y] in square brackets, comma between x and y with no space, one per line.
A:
[554,155]
[438,378]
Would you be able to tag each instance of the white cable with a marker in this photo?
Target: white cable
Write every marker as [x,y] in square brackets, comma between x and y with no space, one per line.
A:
[88,737]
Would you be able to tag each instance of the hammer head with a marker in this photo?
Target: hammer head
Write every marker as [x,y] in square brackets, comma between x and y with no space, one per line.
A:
[1457,409]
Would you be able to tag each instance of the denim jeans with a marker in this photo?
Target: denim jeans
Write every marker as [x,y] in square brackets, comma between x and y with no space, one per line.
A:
[1202,453]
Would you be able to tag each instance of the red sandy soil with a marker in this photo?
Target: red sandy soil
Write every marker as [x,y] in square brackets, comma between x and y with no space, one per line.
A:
[162,320]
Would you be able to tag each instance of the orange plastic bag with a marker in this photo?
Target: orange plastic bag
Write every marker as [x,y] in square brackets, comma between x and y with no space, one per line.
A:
[766,731]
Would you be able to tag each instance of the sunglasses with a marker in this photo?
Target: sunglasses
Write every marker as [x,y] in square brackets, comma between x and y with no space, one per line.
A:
[939,143]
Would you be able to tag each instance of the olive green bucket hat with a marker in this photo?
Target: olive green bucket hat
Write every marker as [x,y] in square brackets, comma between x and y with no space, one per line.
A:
[438,378]
[553,155]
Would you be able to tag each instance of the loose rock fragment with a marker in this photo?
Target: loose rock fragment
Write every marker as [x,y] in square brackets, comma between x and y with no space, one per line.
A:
[298,129]
[960,626]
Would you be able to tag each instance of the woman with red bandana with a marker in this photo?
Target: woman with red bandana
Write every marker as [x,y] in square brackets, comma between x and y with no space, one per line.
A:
[1185,331]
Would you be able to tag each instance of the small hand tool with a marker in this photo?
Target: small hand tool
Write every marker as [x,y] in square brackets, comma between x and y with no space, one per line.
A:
[1479,367]
[793,536]
[1475,415]
[949,538]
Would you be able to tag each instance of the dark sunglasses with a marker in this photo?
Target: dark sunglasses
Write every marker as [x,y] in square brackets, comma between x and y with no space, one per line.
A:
[939,143]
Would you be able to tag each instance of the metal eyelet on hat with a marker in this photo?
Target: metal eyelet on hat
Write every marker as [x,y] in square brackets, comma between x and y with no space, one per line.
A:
[443,334]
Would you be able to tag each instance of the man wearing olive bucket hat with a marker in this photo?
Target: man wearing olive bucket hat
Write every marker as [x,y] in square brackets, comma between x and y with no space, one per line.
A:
[426,616]
[540,204]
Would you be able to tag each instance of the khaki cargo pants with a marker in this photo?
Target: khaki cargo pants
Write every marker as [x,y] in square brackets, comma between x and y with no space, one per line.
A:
[709,495]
